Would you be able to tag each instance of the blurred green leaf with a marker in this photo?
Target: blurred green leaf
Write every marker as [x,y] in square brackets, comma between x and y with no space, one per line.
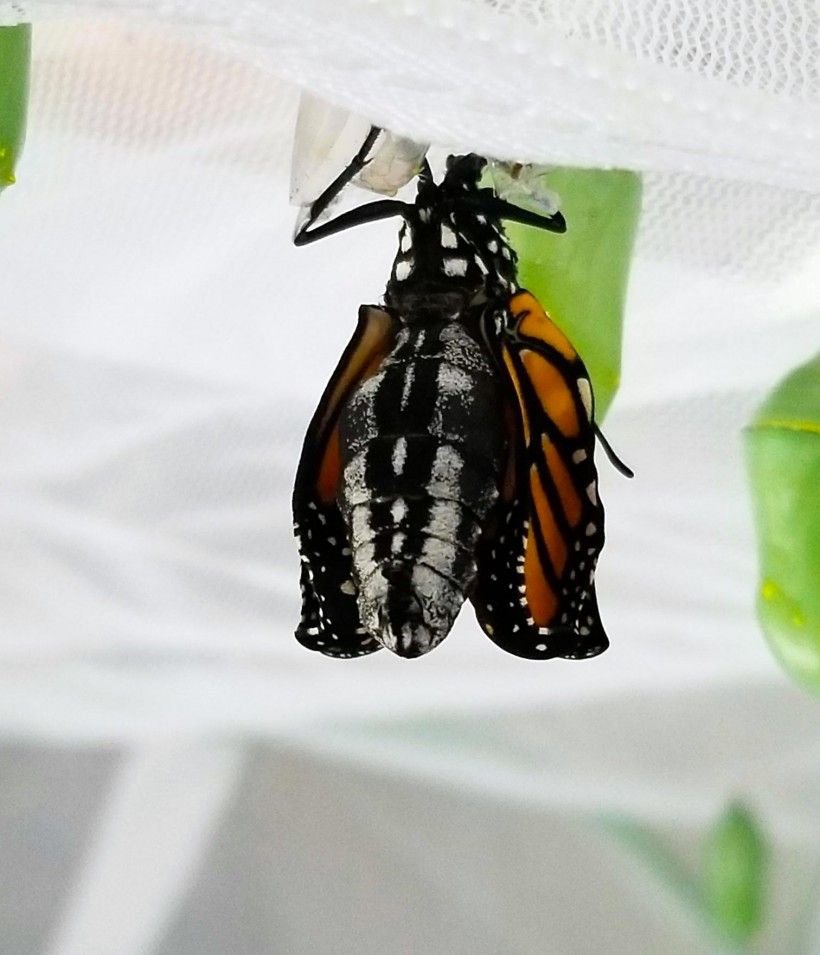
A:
[662,862]
[15,54]
[581,277]
[783,461]
[734,874]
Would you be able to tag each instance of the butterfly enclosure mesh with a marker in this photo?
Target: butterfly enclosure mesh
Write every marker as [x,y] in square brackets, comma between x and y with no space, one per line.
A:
[717,103]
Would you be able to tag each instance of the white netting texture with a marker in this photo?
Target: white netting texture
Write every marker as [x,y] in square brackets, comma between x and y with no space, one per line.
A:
[771,47]
[716,102]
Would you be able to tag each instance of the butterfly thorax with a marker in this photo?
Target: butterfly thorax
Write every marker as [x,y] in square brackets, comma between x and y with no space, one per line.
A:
[450,256]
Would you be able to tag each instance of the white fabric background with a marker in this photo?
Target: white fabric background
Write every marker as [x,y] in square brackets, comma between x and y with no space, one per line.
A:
[178,774]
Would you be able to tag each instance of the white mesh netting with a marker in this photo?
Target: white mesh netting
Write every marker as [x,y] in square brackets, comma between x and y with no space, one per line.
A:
[717,103]
[769,47]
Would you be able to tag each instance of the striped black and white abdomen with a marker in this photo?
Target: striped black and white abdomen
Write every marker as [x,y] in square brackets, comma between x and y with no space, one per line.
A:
[421,444]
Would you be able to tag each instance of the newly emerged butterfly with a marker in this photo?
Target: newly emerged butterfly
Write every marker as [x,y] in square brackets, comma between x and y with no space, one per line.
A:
[451,455]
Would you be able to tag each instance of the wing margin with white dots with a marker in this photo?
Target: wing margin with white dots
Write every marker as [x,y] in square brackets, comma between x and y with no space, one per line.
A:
[535,588]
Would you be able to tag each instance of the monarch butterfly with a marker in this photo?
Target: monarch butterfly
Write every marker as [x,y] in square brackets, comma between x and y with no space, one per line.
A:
[451,454]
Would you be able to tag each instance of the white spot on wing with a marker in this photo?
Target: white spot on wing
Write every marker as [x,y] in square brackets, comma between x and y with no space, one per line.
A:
[402,270]
[585,392]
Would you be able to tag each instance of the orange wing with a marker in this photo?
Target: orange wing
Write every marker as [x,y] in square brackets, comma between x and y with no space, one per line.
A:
[535,590]
[330,617]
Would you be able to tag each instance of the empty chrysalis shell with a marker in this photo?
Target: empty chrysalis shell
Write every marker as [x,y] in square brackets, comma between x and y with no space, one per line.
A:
[783,460]
[328,137]
[526,185]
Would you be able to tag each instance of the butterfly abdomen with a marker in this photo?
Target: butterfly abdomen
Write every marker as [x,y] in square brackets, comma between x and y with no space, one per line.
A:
[420,446]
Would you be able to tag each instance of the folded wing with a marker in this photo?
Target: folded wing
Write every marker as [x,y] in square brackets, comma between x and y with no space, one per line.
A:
[535,589]
[330,620]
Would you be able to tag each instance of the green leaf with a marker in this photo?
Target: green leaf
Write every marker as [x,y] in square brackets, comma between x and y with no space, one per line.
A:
[735,874]
[15,55]
[783,462]
[580,277]
[665,866]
